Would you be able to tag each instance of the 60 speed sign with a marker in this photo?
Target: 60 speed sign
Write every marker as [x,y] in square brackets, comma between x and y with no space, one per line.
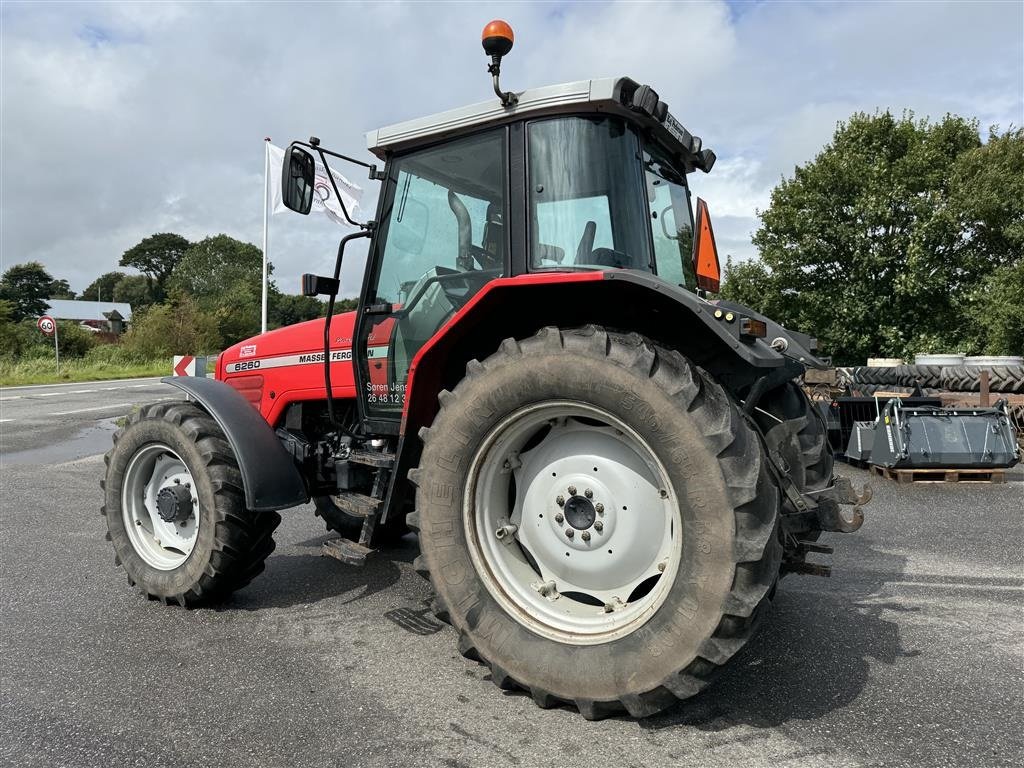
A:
[47,325]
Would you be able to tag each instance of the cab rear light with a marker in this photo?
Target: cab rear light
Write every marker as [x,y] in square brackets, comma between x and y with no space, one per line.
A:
[250,387]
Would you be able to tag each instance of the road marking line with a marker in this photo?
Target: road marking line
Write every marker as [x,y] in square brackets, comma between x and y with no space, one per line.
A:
[14,397]
[83,391]
[49,394]
[97,408]
[5,420]
[108,407]
[152,379]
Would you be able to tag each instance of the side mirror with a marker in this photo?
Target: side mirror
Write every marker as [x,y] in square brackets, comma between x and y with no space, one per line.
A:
[705,252]
[297,180]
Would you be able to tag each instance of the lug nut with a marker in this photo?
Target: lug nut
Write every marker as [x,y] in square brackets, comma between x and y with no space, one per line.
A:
[572,490]
[598,526]
[585,535]
[588,493]
[560,501]
[599,508]
[570,532]
[559,518]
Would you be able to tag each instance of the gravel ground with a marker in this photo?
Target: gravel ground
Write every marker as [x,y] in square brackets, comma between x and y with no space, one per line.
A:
[910,655]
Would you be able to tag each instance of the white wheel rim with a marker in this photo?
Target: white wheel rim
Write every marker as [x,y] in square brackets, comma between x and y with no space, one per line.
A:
[613,572]
[163,544]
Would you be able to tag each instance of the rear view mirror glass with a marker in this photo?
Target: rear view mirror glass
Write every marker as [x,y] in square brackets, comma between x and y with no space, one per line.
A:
[297,180]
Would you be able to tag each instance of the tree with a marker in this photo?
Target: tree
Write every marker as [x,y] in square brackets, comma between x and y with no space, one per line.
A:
[285,309]
[176,328]
[60,289]
[995,312]
[10,339]
[156,256]
[224,276]
[861,244]
[102,288]
[26,287]
[986,202]
[136,290]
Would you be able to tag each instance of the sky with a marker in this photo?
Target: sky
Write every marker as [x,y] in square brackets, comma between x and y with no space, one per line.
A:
[125,119]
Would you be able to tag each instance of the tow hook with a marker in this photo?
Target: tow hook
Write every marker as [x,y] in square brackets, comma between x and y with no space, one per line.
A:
[832,517]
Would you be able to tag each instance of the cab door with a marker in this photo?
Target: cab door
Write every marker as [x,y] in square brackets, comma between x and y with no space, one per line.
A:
[442,237]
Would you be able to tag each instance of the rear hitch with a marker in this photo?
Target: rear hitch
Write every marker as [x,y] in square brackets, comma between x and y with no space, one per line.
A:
[831,515]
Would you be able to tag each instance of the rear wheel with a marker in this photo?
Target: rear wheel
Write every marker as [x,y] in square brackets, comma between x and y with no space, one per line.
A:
[175,508]
[597,521]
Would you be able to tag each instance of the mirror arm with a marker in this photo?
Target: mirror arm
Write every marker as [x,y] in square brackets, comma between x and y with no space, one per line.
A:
[314,144]
[327,328]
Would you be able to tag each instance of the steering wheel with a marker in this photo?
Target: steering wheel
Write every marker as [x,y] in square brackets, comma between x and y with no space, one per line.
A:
[586,246]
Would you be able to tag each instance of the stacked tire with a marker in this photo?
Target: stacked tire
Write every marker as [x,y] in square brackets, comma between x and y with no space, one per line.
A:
[1006,379]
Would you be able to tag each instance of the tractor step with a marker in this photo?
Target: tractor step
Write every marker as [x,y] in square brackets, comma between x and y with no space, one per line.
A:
[356,504]
[379,459]
[347,551]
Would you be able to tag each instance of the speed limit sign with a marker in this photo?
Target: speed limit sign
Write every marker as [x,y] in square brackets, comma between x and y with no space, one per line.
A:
[46,325]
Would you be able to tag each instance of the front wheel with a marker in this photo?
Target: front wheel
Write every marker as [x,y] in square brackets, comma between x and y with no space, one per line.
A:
[175,508]
[597,521]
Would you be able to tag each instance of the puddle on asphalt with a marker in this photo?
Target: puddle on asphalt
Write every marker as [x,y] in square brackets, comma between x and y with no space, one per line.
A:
[90,441]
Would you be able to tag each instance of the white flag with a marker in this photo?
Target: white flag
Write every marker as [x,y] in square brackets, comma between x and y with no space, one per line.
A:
[324,199]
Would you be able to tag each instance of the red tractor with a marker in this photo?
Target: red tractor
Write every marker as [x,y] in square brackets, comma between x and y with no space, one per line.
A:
[607,471]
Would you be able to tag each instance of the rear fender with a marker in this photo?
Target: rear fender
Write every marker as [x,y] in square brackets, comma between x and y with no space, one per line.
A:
[623,300]
[269,475]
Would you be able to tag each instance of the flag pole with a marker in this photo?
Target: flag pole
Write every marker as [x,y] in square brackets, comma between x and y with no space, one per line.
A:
[266,195]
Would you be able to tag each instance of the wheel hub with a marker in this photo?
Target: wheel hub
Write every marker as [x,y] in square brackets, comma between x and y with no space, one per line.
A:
[160,506]
[174,503]
[580,512]
[577,535]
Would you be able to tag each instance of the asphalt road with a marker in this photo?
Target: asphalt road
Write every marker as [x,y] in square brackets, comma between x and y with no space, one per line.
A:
[912,654]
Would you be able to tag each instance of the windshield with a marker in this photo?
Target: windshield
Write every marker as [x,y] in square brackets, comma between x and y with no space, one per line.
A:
[586,195]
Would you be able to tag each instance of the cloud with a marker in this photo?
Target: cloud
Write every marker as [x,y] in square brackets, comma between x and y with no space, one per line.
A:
[125,119]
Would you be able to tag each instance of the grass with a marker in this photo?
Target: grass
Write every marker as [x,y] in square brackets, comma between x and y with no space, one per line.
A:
[39,370]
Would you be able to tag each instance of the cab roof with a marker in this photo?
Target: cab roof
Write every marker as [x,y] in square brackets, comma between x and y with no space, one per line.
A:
[613,95]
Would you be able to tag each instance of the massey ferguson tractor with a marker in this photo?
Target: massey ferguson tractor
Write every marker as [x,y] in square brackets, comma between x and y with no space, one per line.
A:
[607,470]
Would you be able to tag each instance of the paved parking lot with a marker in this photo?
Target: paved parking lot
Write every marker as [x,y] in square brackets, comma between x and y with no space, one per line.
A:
[911,654]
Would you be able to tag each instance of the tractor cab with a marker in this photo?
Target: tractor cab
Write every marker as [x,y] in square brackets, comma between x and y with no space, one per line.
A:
[579,177]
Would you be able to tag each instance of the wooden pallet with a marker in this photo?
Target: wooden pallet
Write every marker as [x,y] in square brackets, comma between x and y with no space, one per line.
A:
[941,475]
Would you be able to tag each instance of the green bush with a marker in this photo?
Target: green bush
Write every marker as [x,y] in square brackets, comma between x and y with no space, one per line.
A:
[179,328]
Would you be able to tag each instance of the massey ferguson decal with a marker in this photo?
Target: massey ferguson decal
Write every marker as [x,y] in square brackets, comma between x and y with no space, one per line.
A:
[249,350]
[309,358]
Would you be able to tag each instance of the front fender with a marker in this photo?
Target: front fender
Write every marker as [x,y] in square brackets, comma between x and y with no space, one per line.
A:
[269,475]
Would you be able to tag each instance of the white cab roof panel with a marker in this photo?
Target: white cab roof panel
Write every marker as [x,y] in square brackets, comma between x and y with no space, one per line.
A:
[594,94]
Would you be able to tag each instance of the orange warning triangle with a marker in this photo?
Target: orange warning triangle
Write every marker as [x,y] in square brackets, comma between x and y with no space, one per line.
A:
[705,253]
